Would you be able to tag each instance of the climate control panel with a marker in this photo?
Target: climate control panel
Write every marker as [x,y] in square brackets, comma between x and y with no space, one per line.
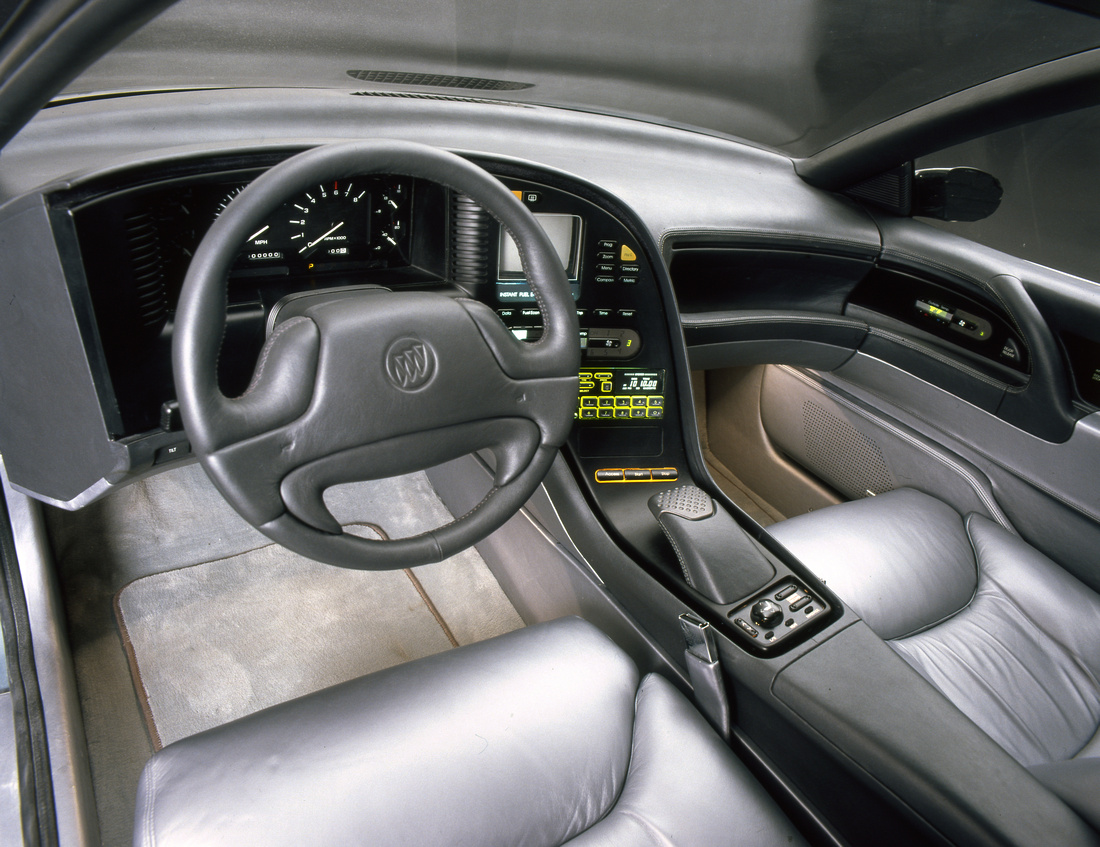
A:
[621,393]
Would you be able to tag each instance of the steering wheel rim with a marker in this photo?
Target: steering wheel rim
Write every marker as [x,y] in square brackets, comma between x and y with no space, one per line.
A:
[375,385]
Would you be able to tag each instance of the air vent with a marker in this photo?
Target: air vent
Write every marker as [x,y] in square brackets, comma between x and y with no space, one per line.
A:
[892,190]
[470,242]
[471,83]
[409,95]
[147,267]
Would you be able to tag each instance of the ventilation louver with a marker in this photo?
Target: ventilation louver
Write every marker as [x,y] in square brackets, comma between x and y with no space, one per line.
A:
[411,95]
[892,190]
[147,268]
[470,83]
[470,229]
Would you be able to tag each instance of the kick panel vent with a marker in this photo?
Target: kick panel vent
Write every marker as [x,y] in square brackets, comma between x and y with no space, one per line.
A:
[839,453]
[471,83]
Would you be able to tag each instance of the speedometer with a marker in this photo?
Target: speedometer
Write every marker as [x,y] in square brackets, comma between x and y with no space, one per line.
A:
[331,220]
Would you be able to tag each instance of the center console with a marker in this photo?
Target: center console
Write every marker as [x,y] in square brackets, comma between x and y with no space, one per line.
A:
[627,446]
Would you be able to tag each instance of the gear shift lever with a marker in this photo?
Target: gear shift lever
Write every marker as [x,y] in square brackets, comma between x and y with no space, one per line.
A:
[718,558]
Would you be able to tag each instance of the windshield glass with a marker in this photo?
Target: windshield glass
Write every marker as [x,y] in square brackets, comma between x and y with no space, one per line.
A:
[797,75]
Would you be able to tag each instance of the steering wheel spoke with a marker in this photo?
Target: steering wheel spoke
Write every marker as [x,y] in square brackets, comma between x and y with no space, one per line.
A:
[513,442]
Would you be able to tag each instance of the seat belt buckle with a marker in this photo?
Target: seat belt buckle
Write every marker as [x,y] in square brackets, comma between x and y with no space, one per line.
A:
[705,672]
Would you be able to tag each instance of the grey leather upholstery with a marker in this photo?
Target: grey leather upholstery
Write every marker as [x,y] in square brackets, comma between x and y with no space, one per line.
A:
[543,736]
[1005,634]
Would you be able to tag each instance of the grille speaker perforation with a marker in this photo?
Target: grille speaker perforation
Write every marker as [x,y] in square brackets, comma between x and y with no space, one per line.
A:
[839,453]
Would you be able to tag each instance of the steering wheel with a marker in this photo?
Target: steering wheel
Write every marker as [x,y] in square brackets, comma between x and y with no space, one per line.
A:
[375,385]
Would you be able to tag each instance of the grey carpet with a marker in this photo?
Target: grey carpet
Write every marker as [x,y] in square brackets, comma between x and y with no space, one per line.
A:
[176,520]
[217,641]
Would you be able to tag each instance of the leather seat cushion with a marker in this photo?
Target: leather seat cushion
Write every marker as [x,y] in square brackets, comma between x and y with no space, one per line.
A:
[901,560]
[540,737]
[1018,652]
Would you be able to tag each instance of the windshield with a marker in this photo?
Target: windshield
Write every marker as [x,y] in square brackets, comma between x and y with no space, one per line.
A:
[797,75]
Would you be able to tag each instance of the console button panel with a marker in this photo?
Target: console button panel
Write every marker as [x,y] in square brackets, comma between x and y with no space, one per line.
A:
[777,612]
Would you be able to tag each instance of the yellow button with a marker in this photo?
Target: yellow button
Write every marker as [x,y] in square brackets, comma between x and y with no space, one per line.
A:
[519,196]
[627,255]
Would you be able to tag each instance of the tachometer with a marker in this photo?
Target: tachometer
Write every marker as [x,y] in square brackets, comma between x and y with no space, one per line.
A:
[332,220]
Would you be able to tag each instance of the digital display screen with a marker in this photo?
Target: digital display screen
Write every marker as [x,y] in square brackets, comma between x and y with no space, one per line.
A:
[621,393]
[564,232]
[935,311]
[622,381]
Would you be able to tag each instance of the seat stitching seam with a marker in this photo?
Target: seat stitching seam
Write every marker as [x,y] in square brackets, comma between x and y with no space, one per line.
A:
[613,805]
[652,832]
[1031,620]
[150,794]
[613,808]
[991,689]
[964,606]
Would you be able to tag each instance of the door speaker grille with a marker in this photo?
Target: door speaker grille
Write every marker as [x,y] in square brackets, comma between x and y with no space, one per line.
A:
[842,455]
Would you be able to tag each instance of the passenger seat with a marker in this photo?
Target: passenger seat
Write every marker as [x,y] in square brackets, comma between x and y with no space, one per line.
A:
[1003,632]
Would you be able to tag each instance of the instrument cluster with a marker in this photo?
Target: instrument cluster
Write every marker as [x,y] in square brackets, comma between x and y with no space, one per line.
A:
[344,223]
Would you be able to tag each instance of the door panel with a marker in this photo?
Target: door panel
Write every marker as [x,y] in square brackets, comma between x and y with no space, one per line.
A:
[1005,427]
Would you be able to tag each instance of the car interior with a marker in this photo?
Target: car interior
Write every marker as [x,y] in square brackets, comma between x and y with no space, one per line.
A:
[476,423]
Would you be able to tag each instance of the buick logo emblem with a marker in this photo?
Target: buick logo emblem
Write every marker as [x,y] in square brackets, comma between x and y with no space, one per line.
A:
[410,364]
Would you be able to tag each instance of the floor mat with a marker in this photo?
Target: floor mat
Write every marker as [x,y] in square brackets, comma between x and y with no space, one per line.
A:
[219,640]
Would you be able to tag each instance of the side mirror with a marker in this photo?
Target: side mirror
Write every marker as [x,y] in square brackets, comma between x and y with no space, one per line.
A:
[955,194]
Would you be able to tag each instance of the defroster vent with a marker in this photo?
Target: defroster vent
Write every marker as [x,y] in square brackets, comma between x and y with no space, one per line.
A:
[470,83]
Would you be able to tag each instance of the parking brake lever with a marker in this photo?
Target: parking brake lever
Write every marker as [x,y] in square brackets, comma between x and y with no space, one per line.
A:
[718,558]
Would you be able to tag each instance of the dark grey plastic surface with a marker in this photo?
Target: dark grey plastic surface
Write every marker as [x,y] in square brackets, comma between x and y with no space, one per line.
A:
[866,702]
[53,436]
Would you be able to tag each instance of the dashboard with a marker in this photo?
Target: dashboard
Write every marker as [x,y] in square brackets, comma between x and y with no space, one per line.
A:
[129,243]
[124,239]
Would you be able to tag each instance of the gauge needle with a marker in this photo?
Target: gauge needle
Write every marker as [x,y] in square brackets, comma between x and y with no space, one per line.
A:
[322,238]
[258,233]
